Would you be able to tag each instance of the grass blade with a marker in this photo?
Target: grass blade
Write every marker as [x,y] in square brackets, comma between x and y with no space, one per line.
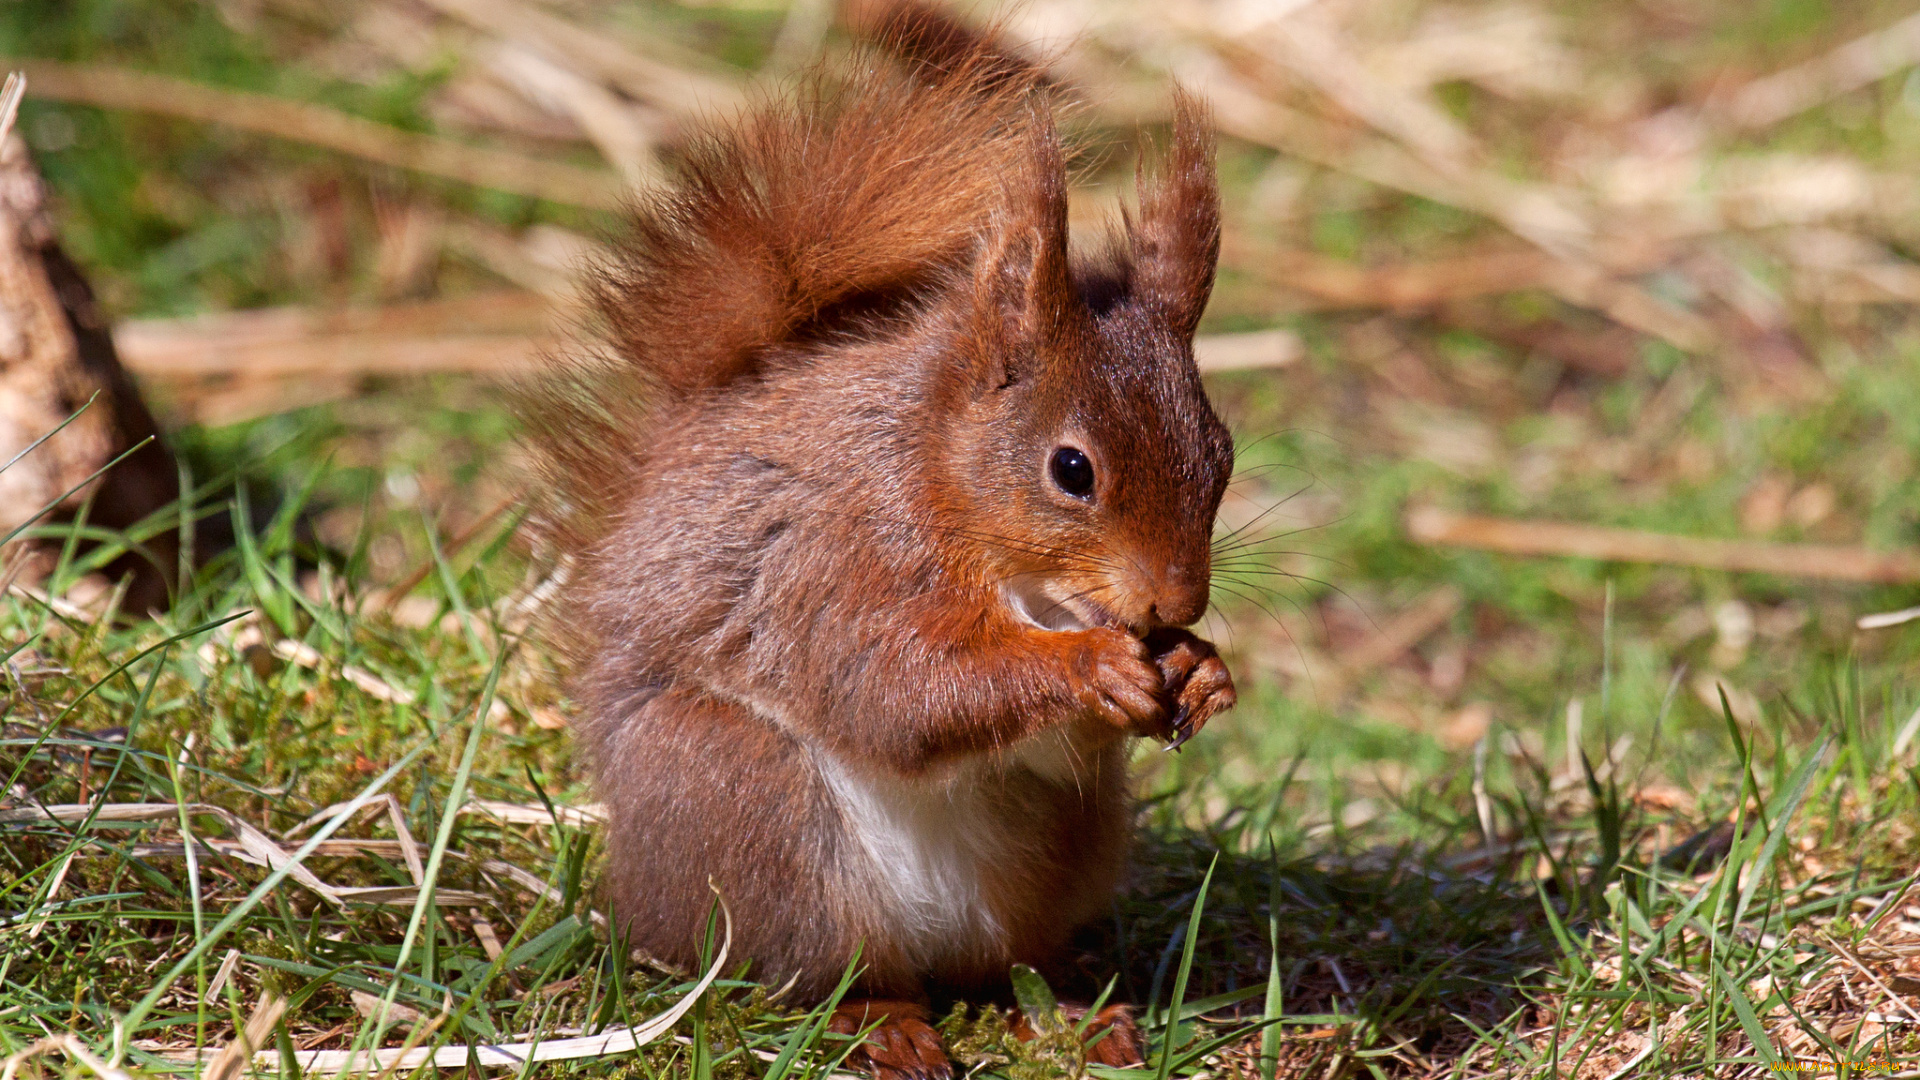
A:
[128,1025]
[1777,828]
[1749,1020]
[1276,1000]
[1172,1030]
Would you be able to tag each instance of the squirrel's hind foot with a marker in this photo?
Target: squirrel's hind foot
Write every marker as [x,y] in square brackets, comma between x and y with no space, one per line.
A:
[903,1047]
[1123,1047]
[1112,1037]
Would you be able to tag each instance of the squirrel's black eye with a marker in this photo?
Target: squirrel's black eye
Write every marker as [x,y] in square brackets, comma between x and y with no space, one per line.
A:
[1072,471]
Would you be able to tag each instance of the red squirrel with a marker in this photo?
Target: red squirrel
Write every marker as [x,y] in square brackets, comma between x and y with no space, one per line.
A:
[886,514]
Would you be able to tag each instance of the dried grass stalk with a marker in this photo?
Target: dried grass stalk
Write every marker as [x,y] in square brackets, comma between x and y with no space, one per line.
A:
[517,1054]
[1864,60]
[1516,537]
[234,1056]
[676,88]
[110,87]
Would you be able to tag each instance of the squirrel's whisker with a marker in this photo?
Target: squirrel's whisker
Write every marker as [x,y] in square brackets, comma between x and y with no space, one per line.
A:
[1244,527]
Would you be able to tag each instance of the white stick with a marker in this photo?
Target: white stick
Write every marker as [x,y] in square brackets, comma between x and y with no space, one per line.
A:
[516,1054]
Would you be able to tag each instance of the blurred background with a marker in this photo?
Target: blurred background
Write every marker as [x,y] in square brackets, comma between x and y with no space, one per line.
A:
[1572,349]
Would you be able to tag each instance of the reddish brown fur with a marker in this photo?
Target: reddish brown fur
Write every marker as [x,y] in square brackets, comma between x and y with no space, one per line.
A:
[806,490]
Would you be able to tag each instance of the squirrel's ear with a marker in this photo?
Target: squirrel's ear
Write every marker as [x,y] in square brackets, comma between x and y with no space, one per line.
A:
[1177,239]
[1023,290]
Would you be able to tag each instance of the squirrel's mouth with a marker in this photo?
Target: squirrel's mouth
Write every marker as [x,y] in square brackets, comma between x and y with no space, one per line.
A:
[1030,600]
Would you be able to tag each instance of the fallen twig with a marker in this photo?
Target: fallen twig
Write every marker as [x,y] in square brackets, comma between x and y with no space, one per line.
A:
[1429,525]
[252,841]
[59,605]
[1336,283]
[251,846]
[674,87]
[1401,632]
[1888,618]
[1543,216]
[387,598]
[506,332]
[233,1057]
[235,365]
[516,1054]
[499,331]
[1240,352]
[220,977]
[111,87]
[1842,952]
[1864,60]
[532,884]
[306,656]
[10,96]
[1333,283]
[1537,215]
[69,1045]
[1315,53]
[578,817]
[612,124]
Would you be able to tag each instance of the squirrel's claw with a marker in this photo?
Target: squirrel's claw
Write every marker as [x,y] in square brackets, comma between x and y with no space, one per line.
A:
[1181,732]
[1183,727]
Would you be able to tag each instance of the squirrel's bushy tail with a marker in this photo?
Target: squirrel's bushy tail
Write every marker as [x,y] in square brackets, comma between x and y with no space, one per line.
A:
[843,190]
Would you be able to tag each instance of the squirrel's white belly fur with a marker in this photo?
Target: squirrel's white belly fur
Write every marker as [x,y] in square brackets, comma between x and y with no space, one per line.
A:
[930,842]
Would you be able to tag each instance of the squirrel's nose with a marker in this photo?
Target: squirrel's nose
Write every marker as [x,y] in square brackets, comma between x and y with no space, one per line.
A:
[1181,597]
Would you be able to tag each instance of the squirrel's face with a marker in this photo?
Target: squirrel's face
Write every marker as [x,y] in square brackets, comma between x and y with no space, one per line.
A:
[1095,461]
[1101,467]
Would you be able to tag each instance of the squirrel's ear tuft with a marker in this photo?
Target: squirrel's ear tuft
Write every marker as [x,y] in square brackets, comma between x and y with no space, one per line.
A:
[1022,286]
[1176,242]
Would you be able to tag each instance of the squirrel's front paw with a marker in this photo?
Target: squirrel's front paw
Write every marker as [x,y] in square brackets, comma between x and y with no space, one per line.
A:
[1119,682]
[1194,679]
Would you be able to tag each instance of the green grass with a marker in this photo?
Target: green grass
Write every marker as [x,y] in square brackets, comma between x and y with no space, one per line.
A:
[1345,846]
